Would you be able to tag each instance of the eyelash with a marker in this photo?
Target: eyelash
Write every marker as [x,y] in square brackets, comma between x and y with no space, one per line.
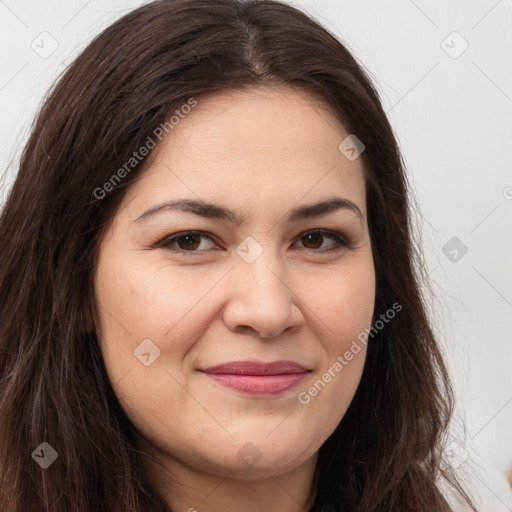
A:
[341,242]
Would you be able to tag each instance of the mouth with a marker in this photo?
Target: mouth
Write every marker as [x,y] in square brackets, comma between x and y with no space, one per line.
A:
[256,378]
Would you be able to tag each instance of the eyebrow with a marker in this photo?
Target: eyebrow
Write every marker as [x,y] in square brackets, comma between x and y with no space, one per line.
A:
[215,211]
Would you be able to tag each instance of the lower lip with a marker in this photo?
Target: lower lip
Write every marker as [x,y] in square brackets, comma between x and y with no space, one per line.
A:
[258,384]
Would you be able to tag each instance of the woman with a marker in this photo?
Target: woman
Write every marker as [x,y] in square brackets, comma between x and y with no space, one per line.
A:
[267,370]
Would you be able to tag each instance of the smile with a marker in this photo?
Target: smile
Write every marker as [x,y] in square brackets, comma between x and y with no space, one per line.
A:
[255,378]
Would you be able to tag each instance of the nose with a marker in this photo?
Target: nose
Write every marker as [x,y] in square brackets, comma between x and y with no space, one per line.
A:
[262,300]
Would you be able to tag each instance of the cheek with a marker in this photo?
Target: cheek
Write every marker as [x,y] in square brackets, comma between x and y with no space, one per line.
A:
[345,309]
[327,397]
[138,299]
[344,306]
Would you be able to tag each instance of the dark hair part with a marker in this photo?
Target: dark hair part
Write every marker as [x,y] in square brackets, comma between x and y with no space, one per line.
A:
[385,455]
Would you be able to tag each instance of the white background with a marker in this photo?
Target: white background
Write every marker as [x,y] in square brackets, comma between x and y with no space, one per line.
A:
[453,119]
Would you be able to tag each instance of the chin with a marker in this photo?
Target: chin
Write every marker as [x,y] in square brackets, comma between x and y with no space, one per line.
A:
[272,458]
[254,461]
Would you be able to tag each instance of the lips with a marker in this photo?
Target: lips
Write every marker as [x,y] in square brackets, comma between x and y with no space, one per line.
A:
[256,378]
[257,368]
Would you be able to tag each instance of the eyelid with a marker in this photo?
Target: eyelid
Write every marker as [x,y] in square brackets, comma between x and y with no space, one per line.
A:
[342,242]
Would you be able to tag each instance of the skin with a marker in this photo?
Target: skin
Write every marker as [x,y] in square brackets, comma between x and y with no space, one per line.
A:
[259,152]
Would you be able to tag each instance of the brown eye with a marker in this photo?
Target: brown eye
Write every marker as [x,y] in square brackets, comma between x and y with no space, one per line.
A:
[186,242]
[313,240]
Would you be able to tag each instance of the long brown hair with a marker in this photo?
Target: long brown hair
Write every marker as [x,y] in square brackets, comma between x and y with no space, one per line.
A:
[385,455]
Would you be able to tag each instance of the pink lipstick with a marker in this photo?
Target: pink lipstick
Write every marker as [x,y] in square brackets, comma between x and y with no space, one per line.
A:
[256,378]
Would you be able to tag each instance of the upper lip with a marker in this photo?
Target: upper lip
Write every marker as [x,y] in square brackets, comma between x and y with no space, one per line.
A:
[256,368]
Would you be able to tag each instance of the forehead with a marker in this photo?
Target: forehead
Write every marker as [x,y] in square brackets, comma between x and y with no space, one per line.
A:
[276,118]
[267,144]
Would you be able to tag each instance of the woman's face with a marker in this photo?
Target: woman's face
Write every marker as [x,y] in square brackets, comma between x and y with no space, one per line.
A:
[254,287]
